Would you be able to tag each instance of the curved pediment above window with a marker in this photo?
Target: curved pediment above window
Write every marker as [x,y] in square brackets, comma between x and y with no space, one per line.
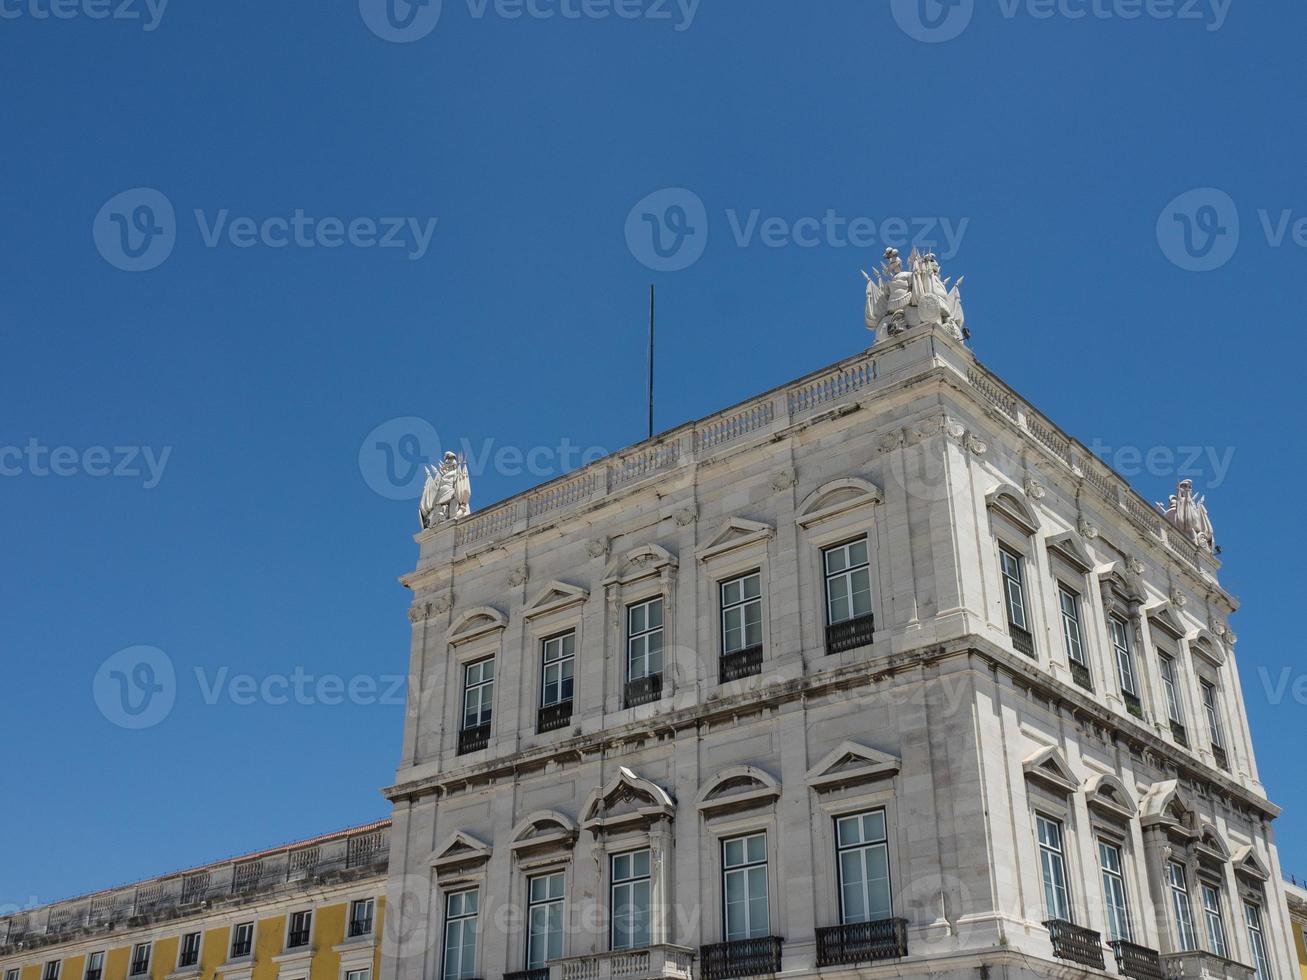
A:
[1119,583]
[1166,804]
[1208,647]
[1050,768]
[735,534]
[851,764]
[837,497]
[553,597]
[1249,865]
[459,853]
[1211,845]
[1071,548]
[626,802]
[737,788]
[640,562]
[1007,500]
[544,832]
[475,623]
[1107,794]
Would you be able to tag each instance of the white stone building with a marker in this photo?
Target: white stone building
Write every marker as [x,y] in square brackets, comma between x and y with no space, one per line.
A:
[879,673]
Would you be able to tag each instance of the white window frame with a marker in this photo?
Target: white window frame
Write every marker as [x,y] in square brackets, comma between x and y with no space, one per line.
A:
[464,920]
[1116,897]
[368,903]
[866,847]
[745,870]
[1011,568]
[12,973]
[1053,871]
[92,963]
[361,973]
[291,930]
[148,948]
[1073,632]
[1182,907]
[743,605]
[51,969]
[558,659]
[1213,918]
[1212,709]
[1123,650]
[235,932]
[198,936]
[643,638]
[845,578]
[1252,916]
[1166,667]
[546,904]
[481,685]
[630,883]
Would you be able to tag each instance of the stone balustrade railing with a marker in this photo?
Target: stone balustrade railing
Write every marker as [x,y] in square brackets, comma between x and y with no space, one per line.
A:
[657,962]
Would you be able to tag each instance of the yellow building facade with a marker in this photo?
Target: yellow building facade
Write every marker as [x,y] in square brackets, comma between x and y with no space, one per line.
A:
[1296,897]
[310,910]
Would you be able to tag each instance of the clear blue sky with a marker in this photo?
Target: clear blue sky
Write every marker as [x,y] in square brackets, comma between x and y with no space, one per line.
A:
[1060,141]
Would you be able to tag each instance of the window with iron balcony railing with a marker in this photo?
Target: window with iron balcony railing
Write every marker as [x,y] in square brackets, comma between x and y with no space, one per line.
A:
[1075,943]
[473,739]
[850,634]
[741,958]
[862,942]
[552,717]
[643,690]
[1137,962]
[741,663]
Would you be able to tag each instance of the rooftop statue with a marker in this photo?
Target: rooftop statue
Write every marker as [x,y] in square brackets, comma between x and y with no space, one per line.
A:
[1187,513]
[448,492]
[899,299]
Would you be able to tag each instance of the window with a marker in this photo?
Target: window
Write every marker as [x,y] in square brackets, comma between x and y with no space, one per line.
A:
[1114,896]
[363,974]
[461,935]
[744,874]
[742,613]
[95,967]
[1014,594]
[140,959]
[51,971]
[1253,917]
[544,919]
[189,952]
[11,974]
[1184,918]
[848,582]
[242,940]
[630,900]
[478,693]
[644,639]
[360,917]
[1170,689]
[1213,716]
[863,855]
[300,924]
[1212,915]
[1052,864]
[1071,632]
[559,660]
[1125,660]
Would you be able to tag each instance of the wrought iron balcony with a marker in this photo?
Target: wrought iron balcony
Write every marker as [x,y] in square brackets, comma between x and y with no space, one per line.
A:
[741,663]
[241,948]
[1075,943]
[1137,962]
[741,958]
[1080,674]
[1221,758]
[1179,734]
[1022,640]
[540,974]
[140,967]
[473,739]
[851,633]
[297,938]
[862,942]
[642,690]
[360,927]
[554,716]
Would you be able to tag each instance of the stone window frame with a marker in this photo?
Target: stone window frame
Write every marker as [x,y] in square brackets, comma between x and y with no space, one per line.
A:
[1070,566]
[554,853]
[1014,526]
[466,647]
[1118,829]
[721,829]
[641,573]
[608,847]
[1056,800]
[537,628]
[444,889]
[721,564]
[1121,599]
[826,809]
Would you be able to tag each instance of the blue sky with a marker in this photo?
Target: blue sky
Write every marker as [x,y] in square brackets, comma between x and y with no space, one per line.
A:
[251,528]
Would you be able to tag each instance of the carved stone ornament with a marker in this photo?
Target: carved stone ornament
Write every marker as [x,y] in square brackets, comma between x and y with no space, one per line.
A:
[784,480]
[517,577]
[597,547]
[1187,513]
[686,516]
[975,445]
[1178,599]
[1087,530]
[422,611]
[1135,565]
[899,299]
[1034,489]
[890,441]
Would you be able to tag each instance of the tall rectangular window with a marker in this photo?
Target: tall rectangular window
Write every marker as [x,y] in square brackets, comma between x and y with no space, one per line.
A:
[460,935]
[862,851]
[644,639]
[95,966]
[1052,863]
[559,660]
[11,973]
[1178,882]
[1211,710]
[742,613]
[1114,894]
[1257,940]
[1125,660]
[140,960]
[1014,600]
[630,900]
[1212,916]
[544,919]
[189,951]
[478,693]
[1069,602]
[848,582]
[1170,689]
[301,924]
[360,917]
[744,887]
[51,971]
[242,940]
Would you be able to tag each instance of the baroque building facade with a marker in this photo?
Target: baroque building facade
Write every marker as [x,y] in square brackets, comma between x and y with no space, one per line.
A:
[879,673]
[311,910]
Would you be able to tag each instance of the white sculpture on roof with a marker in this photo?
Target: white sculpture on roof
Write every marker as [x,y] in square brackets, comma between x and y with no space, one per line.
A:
[448,492]
[1187,513]
[899,299]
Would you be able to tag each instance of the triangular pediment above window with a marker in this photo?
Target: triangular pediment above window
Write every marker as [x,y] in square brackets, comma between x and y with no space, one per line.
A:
[1014,505]
[1247,863]
[734,534]
[475,623]
[626,801]
[851,764]
[837,497]
[640,562]
[1163,617]
[1071,548]
[1047,766]
[1107,794]
[553,597]
[459,852]
[737,788]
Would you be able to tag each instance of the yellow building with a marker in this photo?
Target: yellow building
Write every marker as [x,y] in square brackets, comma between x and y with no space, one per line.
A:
[1296,897]
[311,910]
